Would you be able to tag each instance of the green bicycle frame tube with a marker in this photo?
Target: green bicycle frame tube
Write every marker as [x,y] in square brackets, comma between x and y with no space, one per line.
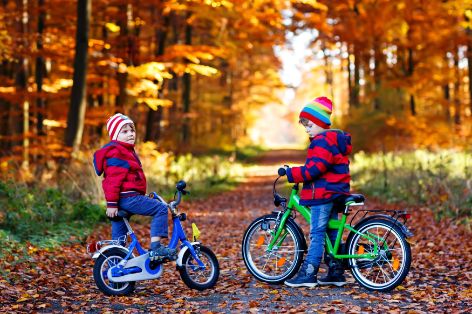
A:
[340,225]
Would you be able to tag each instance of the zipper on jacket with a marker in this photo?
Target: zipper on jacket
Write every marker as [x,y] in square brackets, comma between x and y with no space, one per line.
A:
[313,191]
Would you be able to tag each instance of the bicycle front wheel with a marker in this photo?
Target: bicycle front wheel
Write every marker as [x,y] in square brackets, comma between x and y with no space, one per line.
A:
[392,263]
[282,261]
[196,277]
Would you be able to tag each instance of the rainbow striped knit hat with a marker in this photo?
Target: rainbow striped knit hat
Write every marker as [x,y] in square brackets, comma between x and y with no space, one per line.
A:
[318,111]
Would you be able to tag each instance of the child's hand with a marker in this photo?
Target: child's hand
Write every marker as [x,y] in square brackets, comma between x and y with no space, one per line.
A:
[111,212]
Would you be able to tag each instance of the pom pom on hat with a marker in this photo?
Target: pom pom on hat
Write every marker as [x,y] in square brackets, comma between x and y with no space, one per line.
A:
[318,111]
[115,123]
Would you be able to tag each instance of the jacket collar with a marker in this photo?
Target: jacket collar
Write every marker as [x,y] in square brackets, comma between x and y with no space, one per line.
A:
[125,145]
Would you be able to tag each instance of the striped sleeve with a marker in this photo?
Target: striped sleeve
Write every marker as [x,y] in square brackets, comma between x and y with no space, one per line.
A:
[319,158]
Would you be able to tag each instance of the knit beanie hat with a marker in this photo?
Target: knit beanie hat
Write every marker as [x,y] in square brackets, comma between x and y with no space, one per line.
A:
[115,123]
[318,111]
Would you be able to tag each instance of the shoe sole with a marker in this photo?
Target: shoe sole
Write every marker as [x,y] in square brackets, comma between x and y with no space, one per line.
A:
[298,285]
[337,284]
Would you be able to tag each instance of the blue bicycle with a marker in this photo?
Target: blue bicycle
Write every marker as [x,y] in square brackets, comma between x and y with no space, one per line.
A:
[116,268]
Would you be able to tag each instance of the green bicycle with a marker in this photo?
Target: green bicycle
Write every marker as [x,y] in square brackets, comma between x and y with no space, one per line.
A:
[376,249]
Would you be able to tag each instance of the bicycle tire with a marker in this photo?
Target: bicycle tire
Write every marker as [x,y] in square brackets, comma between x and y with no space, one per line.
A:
[357,265]
[114,256]
[295,253]
[189,266]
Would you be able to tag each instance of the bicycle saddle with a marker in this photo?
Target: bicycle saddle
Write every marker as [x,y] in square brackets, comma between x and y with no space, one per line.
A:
[356,198]
[341,201]
[120,215]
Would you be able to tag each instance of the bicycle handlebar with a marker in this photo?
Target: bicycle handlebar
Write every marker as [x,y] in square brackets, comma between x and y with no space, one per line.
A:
[281,172]
[180,186]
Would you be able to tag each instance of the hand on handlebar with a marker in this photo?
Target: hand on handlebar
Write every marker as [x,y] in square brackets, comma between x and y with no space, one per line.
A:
[283,170]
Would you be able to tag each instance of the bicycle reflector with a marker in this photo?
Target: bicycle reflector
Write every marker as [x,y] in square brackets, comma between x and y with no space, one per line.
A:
[396,264]
[196,232]
[361,249]
[281,262]
[260,241]
[93,247]
[406,216]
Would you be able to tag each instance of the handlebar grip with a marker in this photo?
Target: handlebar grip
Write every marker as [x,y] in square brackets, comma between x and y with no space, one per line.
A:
[282,171]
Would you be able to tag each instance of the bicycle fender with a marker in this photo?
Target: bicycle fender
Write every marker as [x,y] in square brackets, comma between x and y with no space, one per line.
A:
[108,247]
[182,252]
[406,232]
[291,221]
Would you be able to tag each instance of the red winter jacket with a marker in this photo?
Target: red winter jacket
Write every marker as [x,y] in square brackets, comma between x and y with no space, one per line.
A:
[122,171]
[325,175]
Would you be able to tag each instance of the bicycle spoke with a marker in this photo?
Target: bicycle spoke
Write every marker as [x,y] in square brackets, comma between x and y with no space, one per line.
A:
[384,273]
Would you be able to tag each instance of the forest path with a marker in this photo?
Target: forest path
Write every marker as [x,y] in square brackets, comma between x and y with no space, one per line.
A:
[61,281]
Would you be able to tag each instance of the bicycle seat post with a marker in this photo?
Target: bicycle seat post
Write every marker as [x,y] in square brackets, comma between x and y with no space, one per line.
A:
[128,225]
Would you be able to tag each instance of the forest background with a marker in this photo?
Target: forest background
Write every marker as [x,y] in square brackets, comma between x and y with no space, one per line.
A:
[211,83]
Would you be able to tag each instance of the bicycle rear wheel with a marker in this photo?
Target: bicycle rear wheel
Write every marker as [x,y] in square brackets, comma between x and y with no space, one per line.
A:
[105,261]
[276,265]
[392,263]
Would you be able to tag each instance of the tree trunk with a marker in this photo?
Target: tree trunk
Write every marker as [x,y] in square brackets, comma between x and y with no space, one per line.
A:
[447,91]
[40,69]
[357,76]
[21,81]
[186,89]
[154,118]
[469,65]
[76,114]
[377,74]
[457,101]
[328,71]
[411,69]
[349,78]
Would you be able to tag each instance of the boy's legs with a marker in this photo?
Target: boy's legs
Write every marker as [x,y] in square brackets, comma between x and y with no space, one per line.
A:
[306,277]
[119,231]
[143,205]
[335,274]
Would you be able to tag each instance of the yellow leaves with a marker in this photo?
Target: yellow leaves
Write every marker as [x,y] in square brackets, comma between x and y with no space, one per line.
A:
[201,69]
[153,103]
[194,53]
[221,3]
[151,70]
[112,27]
[57,85]
[7,89]
[315,4]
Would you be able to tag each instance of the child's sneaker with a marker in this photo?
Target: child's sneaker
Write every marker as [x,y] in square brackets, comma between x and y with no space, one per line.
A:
[331,279]
[335,274]
[161,253]
[306,277]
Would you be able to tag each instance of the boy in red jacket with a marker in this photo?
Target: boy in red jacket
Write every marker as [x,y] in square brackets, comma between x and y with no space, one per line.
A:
[124,184]
[325,177]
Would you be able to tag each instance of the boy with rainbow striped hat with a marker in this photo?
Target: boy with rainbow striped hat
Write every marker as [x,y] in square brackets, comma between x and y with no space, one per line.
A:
[325,177]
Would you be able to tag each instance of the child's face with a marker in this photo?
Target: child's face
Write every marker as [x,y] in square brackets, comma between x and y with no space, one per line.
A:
[127,134]
[311,128]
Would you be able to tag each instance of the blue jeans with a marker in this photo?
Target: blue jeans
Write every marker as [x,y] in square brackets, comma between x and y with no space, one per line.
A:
[320,215]
[142,205]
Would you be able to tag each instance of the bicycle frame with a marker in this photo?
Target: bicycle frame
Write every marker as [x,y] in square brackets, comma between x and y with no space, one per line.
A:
[178,234]
[340,225]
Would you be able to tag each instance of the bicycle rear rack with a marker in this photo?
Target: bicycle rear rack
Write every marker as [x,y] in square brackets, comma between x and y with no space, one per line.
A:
[393,213]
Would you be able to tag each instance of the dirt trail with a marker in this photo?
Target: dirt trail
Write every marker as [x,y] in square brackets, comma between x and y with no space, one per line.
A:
[439,279]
